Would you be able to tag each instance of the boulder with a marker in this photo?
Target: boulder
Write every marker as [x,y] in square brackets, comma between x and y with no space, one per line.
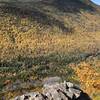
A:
[56,91]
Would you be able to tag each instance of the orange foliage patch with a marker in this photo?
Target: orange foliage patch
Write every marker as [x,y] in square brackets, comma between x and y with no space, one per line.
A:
[89,78]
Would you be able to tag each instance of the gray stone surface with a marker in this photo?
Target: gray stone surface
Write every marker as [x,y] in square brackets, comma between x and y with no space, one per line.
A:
[56,91]
[51,80]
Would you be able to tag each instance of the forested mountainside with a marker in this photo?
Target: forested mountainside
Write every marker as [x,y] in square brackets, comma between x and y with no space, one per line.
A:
[48,38]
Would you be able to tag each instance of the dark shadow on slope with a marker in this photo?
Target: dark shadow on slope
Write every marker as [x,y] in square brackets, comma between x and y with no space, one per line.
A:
[40,17]
[43,60]
[71,6]
[37,13]
[48,65]
[84,96]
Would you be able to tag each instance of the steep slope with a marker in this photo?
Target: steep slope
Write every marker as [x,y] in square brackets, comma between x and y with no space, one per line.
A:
[42,38]
[66,15]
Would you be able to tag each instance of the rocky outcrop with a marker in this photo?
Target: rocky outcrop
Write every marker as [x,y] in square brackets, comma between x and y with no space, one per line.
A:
[56,91]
